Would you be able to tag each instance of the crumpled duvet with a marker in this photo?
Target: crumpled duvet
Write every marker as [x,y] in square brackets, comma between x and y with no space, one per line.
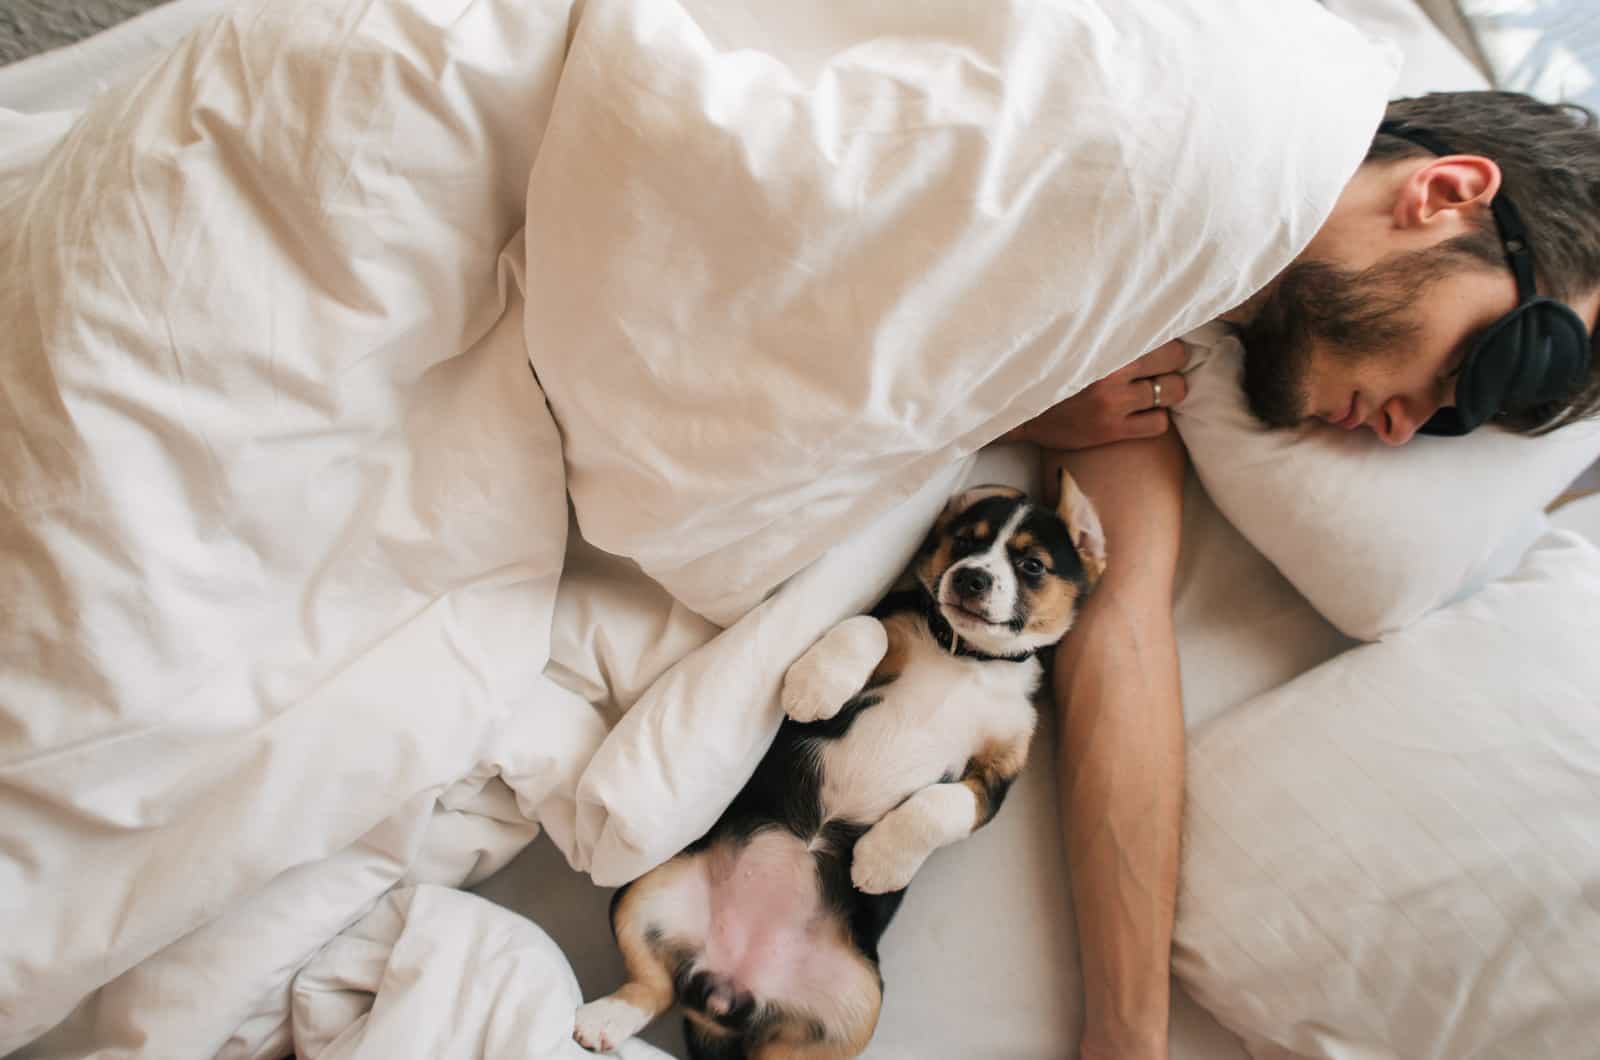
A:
[312,334]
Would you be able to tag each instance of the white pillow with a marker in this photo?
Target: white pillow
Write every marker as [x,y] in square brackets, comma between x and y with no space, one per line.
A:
[1582,515]
[1431,62]
[1374,537]
[1394,855]
[784,267]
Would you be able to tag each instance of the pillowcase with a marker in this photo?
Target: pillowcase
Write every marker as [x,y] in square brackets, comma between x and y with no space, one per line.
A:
[1582,515]
[1374,537]
[783,269]
[1394,855]
[1430,61]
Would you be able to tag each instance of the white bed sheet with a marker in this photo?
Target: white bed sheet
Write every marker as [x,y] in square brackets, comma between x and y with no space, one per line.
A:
[1242,631]
[1026,1009]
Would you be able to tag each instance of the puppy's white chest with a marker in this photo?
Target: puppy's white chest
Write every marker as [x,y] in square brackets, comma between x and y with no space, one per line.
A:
[941,711]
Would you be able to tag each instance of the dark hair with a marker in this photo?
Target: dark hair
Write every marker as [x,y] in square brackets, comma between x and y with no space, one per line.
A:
[1549,159]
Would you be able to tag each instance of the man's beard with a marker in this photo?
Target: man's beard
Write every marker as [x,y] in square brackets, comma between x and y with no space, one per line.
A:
[1353,314]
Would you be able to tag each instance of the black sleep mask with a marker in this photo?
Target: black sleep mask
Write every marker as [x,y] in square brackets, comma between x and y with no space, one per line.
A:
[1537,353]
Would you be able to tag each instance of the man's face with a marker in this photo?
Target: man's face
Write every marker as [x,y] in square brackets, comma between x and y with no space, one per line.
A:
[1377,347]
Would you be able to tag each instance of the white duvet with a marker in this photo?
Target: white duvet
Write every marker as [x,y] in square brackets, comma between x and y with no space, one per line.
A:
[285,513]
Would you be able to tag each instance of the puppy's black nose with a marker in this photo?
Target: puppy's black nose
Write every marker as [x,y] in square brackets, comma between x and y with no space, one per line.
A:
[969,581]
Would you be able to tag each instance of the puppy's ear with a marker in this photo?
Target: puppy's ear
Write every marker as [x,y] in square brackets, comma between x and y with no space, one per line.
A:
[1084,526]
[967,498]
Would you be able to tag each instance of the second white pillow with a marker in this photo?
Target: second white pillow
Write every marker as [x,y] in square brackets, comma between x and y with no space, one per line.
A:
[1374,537]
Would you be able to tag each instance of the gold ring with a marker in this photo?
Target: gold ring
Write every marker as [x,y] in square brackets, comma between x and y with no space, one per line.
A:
[1155,393]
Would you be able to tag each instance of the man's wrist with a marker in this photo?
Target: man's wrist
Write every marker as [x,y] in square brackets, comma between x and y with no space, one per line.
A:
[1127,1045]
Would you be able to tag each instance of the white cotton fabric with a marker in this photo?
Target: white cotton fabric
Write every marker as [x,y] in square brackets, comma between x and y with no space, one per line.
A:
[1582,515]
[375,991]
[1000,899]
[1374,537]
[1393,856]
[285,508]
[1429,60]
[786,262]
[283,513]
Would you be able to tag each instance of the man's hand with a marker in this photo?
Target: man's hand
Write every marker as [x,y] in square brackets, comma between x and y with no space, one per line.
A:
[1120,406]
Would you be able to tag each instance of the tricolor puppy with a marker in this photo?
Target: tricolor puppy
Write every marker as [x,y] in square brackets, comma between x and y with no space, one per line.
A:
[904,730]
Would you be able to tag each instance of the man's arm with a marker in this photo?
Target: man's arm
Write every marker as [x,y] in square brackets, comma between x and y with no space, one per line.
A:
[1121,776]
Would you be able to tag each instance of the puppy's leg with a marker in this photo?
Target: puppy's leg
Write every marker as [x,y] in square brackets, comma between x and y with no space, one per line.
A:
[707,1041]
[802,1039]
[602,1025]
[834,669]
[807,1051]
[835,1021]
[892,851]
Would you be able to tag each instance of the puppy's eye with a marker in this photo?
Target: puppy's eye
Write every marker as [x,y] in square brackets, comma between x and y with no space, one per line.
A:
[1031,566]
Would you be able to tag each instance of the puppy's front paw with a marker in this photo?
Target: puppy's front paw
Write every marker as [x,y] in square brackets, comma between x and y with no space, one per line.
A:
[825,678]
[885,859]
[813,691]
[601,1026]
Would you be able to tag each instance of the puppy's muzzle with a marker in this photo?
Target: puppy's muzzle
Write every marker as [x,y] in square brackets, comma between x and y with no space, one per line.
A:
[970,583]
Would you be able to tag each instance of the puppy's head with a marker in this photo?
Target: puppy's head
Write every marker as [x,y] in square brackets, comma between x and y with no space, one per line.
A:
[1008,574]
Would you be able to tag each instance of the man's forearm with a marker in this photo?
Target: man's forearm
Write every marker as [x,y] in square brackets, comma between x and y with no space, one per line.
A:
[1122,750]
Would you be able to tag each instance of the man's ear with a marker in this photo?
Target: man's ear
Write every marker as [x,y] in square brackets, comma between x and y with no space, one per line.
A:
[1454,184]
[1084,525]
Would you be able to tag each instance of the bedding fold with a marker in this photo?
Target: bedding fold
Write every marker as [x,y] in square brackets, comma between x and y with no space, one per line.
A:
[284,507]
[314,329]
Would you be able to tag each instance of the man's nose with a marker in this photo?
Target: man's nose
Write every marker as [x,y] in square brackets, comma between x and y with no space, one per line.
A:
[1396,422]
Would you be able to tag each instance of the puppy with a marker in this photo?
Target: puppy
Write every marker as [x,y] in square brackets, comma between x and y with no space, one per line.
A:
[905,728]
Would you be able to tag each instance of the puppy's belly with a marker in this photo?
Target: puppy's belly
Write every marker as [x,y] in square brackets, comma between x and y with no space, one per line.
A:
[768,931]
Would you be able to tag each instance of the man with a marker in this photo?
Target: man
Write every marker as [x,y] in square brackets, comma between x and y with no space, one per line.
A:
[1375,325]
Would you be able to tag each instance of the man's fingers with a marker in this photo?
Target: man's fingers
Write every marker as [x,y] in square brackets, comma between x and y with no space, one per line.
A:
[1161,360]
[1147,424]
[1139,395]
[1116,408]
[1174,388]
[1170,357]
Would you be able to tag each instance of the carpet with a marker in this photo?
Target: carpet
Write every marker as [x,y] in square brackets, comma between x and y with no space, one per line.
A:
[28,27]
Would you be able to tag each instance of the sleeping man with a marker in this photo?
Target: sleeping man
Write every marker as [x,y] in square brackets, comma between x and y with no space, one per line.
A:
[1457,279]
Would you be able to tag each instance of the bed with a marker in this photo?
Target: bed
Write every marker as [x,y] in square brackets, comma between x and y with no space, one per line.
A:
[387,954]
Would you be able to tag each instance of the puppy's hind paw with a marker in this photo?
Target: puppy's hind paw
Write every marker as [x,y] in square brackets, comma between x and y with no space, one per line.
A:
[884,861]
[601,1026]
